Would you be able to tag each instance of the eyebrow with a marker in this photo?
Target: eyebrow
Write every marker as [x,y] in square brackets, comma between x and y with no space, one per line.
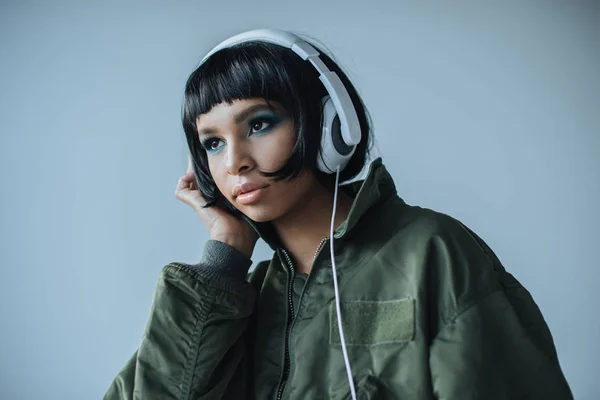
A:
[239,117]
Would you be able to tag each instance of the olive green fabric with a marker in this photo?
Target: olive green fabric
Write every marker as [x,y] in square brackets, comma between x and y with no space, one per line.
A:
[373,322]
[428,310]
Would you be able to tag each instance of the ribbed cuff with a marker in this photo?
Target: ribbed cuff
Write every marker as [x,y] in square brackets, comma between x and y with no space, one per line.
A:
[222,259]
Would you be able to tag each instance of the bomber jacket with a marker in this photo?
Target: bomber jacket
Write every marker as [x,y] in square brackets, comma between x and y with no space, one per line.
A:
[428,312]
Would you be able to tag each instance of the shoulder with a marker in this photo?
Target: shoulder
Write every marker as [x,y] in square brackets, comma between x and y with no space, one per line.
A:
[429,239]
[420,227]
[446,242]
[447,260]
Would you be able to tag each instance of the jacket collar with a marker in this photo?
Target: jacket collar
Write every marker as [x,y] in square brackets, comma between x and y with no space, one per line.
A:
[377,187]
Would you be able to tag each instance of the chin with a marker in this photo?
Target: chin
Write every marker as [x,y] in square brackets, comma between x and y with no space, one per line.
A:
[260,214]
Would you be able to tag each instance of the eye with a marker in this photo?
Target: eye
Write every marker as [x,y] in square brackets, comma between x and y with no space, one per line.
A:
[259,124]
[263,124]
[212,145]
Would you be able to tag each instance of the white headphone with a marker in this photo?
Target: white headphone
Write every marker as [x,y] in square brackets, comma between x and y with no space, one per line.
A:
[341,129]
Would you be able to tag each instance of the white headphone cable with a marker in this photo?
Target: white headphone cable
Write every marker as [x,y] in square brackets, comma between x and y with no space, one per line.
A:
[335,286]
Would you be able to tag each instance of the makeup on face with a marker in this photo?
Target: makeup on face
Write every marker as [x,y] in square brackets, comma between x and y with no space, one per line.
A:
[263,121]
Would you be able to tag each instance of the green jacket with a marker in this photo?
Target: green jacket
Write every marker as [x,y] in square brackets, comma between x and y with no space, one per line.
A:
[428,312]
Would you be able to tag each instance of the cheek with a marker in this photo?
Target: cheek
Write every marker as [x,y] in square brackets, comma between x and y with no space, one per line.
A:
[276,149]
[219,176]
[290,192]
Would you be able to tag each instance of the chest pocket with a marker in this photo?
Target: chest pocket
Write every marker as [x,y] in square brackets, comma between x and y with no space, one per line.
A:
[369,323]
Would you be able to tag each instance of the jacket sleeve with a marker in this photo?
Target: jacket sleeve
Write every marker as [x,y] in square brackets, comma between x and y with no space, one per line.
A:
[193,345]
[492,341]
[491,352]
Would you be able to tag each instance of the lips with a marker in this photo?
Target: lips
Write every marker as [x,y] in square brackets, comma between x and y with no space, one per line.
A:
[247,187]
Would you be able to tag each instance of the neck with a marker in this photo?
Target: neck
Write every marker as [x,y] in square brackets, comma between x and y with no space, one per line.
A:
[302,229]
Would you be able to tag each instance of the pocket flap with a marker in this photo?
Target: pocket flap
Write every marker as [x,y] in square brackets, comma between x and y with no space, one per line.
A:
[373,322]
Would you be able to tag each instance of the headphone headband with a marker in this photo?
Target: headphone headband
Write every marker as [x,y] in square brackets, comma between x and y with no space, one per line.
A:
[274,36]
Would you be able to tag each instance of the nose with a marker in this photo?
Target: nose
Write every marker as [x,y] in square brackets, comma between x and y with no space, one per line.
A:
[239,159]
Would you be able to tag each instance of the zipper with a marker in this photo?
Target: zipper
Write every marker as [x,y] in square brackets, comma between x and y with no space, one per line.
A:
[319,249]
[286,367]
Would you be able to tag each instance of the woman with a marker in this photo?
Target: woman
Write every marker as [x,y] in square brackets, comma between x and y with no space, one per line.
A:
[427,309]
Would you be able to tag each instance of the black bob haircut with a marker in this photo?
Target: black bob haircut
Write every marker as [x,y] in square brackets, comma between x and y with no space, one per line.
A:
[274,73]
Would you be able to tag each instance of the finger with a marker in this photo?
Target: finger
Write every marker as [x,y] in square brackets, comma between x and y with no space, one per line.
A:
[183,183]
[195,201]
[190,167]
[187,191]
[189,177]
[184,193]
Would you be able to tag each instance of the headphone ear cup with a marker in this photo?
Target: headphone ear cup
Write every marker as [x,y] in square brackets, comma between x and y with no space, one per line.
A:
[334,151]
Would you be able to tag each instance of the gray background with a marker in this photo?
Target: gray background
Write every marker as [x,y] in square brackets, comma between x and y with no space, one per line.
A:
[489,113]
